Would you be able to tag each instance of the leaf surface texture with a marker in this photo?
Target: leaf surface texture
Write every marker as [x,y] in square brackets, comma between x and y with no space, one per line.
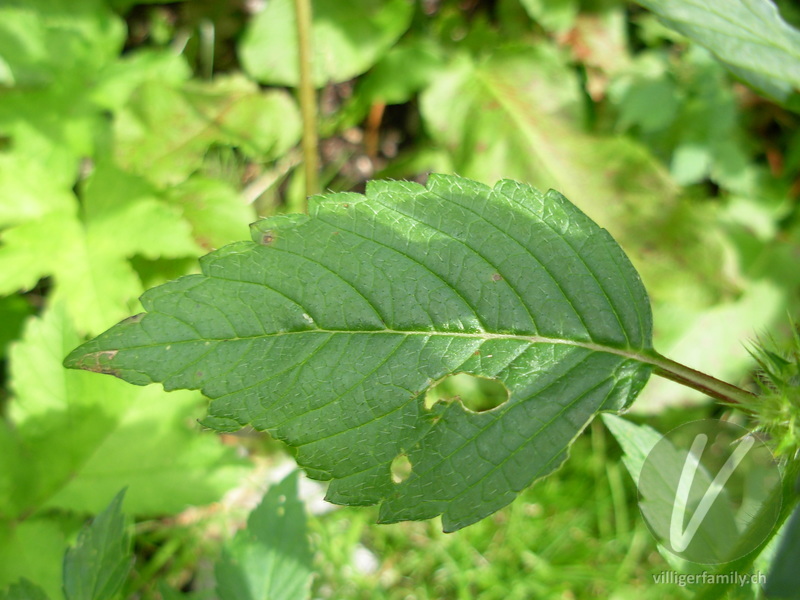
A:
[326,330]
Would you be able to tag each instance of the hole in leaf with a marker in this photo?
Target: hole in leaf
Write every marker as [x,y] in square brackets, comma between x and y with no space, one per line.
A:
[401,468]
[477,394]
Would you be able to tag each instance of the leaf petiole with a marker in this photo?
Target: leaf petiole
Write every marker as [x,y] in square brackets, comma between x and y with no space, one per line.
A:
[675,371]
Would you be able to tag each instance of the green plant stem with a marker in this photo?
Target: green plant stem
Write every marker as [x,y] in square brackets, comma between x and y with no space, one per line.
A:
[707,384]
[308,105]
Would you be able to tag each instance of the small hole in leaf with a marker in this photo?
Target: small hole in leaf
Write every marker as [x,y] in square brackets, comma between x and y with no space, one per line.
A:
[401,468]
[477,394]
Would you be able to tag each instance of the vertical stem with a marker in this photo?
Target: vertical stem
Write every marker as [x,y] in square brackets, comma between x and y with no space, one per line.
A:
[308,106]
[207,35]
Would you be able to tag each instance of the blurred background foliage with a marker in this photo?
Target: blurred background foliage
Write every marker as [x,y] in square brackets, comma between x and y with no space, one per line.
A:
[137,136]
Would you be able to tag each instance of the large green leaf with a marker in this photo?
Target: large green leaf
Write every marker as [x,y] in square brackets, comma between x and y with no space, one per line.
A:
[748,36]
[327,330]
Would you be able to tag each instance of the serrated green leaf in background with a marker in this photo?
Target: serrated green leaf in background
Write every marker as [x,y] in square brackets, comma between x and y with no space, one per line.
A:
[56,51]
[165,132]
[520,113]
[86,249]
[43,41]
[23,590]
[748,36]
[271,558]
[216,211]
[697,128]
[349,37]
[79,438]
[54,126]
[98,565]
[327,330]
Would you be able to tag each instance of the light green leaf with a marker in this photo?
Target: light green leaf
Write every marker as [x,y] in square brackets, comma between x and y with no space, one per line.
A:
[97,566]
[121,78]
[327,331]
[24,590]
[636,442]
[348,38]
[556,15]
[165,131]
[217,213]
[96,287]
[87,254]
[80,437]
[658,496]
[42,41]
[748,36]
[271,558]
[31,188]
[520,114]
[34,549]
[710,339]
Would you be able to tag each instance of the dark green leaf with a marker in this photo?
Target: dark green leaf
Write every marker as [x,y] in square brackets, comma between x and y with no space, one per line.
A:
[271,559]
[23,590]
[327,331]
[97,566]
[783,580]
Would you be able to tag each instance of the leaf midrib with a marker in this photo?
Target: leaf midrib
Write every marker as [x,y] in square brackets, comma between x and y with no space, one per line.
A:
[643,355]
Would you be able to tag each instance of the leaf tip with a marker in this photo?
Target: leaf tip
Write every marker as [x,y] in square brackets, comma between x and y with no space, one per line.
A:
[96,362]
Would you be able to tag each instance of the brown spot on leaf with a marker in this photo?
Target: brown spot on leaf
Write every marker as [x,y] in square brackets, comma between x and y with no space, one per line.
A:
[133,319]
[97,362]
[346,205]
[267,238]
[496,277]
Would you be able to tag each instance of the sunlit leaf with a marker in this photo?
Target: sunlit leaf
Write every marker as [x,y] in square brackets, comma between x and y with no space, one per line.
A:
[80,438]
[327,330]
